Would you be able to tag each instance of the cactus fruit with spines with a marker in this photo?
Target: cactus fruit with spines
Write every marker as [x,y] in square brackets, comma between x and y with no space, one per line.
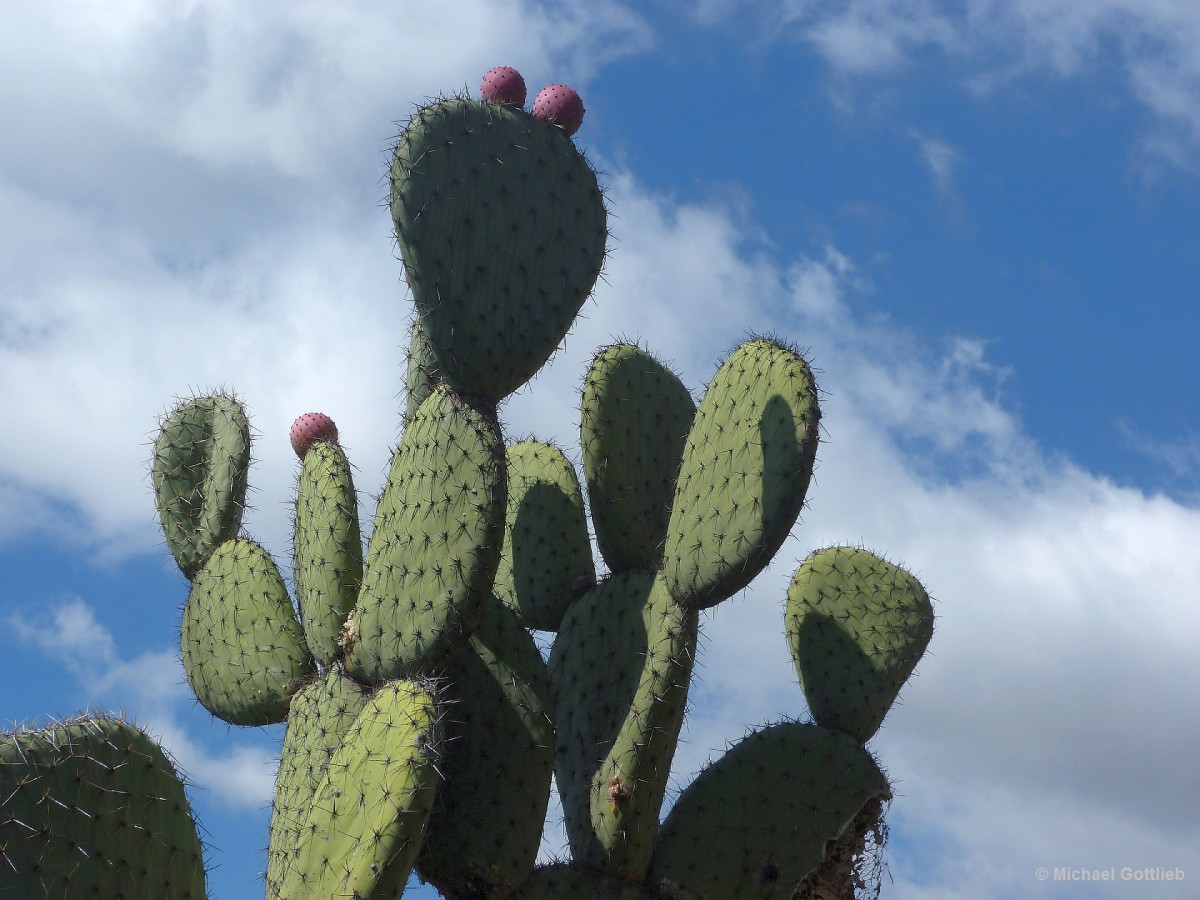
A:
[423,726]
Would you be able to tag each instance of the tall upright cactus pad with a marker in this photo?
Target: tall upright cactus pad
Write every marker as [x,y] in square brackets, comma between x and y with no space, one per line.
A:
[502,228]
[326,547]
[486,826]
[857,625]
[368,816]
[745,473]
[547,558]
[621,667]
[319,717]
[436,544]
[634,420]
[243,650]
[93,807]
[756,822]
[199,471]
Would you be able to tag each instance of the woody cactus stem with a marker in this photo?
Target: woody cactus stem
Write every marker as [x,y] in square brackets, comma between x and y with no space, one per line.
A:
[423,727]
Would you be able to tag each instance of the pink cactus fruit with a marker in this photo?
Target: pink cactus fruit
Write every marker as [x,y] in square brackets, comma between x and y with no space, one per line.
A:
[310,428]
[503,85]
[561,105]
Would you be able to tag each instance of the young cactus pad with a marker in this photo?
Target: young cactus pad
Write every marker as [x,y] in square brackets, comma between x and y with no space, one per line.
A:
[93,807]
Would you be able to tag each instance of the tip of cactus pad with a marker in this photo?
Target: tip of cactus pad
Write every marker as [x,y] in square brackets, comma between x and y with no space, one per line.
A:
[503,85]
[310,428]
[561,105]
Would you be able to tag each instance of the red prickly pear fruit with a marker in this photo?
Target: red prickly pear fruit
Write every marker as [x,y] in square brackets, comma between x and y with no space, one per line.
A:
[561,105]
[310,428]
[503,85]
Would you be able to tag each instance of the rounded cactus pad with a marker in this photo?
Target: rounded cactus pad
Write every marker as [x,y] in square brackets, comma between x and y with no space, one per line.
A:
[200,467]
[368,815]
[856,625]
[547,554]
[502,229]
[310,428]
[93,807]
[503,85]
[560,104]
[438,533]
[243,650]
[635,415]
[745,473]
[758,821]
[327,549]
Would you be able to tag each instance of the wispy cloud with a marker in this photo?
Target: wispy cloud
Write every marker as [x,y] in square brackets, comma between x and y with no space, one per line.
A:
[1148,45]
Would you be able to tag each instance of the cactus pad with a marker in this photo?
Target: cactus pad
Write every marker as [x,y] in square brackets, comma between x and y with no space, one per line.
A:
[547,558]
[503,231]
[746,468]
[436,544]
[621,667]
[755,823]
[199,471]
[368,815]
[320,715]
[483,835]
[634,420]
[327,549]
[857,626]
[92,807]
[243,650]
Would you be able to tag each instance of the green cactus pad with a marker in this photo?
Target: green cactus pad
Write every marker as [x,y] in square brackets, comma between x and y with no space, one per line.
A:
[621,666]
[320,715]
[503,230]
[422,371]
[436,544]
[199,471]
[634,421]
[243,650]
[93,807]
[369,812]
[745,472]
[327,549]
[483,835]
[560,881]
[547,558]
[757,821]
[857,626]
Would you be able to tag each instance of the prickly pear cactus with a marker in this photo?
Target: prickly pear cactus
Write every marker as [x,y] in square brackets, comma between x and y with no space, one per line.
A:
[93,807]
[423,724]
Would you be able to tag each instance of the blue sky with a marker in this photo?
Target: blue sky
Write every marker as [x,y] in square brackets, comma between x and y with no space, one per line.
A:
[979,218]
